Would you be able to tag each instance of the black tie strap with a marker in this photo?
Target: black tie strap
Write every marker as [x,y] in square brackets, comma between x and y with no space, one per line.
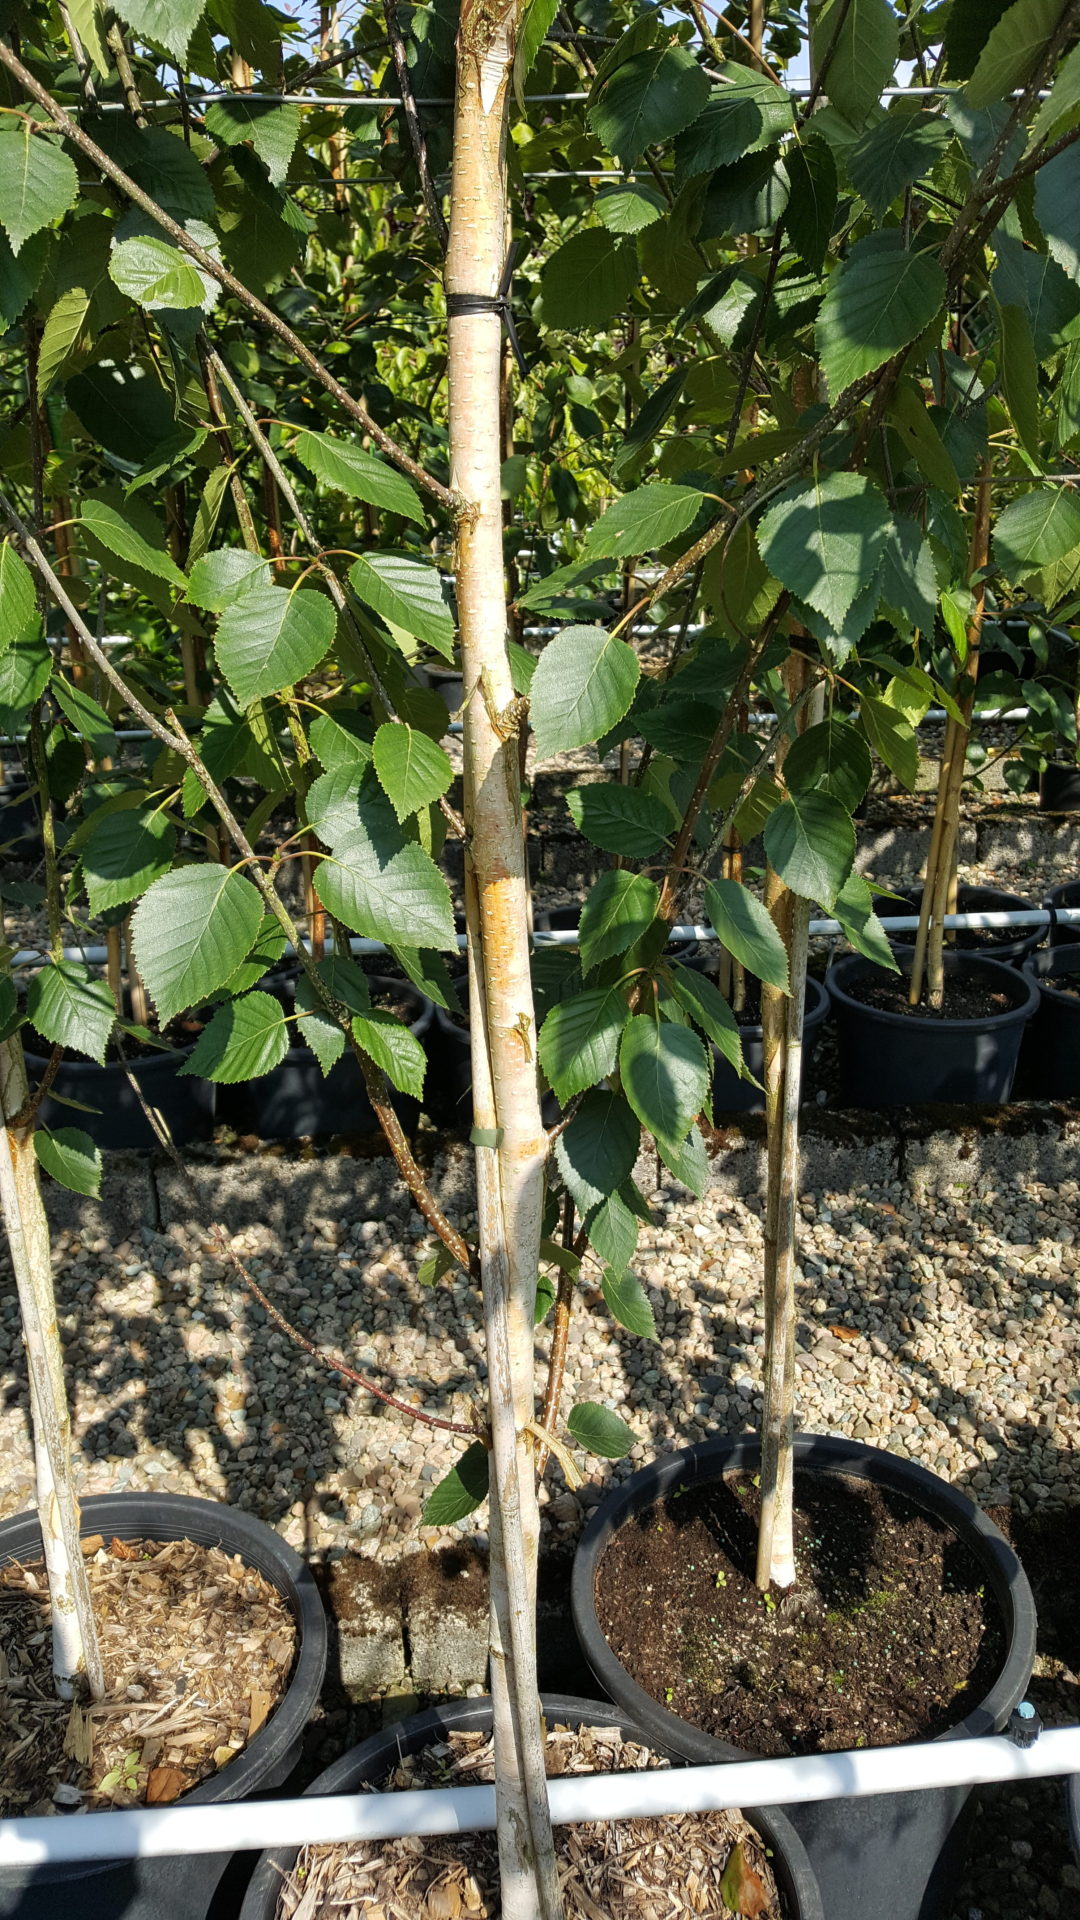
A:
[461,305]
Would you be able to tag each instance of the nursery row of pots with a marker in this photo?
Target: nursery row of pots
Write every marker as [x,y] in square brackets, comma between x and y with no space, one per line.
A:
[897,1853]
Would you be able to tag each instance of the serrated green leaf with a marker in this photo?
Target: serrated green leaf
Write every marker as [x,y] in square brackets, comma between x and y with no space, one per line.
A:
[584,682]
[664,1071]
[894,154]
[60,333]
[746,928]
[25,670]
[400,898]
[38,183]
[412,769]
[1013,50]
[621,907]
[909,582]
[747,112]
[71,1157]
[1036,283]
[687,1160]
[460,1491]
[322,1033]
[1036,530]
[70,1009]
[879,300]
[749,197]
[854,909]
[120,534]
[166,23]
[832,755]
[892,738]
[408,593]
[863,38]
[219,579]
[156,274]
[588,280]
[265,952]
[707,1007]
[272,130]
[596,1152]
[629,207]
[1061,108]
[824,539]
[269,638]
[646,100]
[89,720]
[810,841]
[18,602]
[87,18]
[125,854]
[579,1039]
[537,18]
[619,819]
[643,520]
[1020,377]
[613,1232]
[394,1048]
[599,1430]
[628,1303]
[340,464]
[245,1039]
[811,207]
[191,932]
[1057,185]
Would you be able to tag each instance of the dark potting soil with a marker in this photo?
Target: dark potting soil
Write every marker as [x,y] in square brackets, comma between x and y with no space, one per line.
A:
[886,1636]
[963,999]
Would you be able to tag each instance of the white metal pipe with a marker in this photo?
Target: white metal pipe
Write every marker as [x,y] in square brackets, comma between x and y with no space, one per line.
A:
[140,1833]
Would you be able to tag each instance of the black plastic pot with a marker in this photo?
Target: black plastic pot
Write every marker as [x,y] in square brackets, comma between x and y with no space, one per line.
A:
[1049,1066]
[448,1089]
[1068,933]
[1072,1812]
[892,1854]
[295,1099]
[1010,952]
[907,1059]
[179,1888]
[734,1095]
[118,1120]
[1059,788]
[375,1759]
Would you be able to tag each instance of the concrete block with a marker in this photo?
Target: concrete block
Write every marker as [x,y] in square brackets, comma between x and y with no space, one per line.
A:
[364,1604]
[446,1619]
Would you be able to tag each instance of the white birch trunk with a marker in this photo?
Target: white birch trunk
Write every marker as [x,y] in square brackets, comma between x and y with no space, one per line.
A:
[76,1657]
[511,1147]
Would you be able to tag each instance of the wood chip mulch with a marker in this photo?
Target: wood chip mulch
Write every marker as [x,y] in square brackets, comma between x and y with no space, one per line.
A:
[677,1868]
[197,1650]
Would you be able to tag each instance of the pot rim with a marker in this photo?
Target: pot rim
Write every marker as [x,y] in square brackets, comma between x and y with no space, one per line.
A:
[1054,959]
[854,964]
[825,1453]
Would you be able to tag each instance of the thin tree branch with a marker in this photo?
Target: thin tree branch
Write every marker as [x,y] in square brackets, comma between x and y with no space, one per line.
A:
[412,121]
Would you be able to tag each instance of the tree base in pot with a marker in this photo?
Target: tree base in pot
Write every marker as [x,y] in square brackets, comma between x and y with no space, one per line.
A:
[370,1764]
[892,1854]
[899,1059]
[179,1888]
[1010,945]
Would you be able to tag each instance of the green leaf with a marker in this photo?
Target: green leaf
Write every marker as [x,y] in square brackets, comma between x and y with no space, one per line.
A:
[18,603]
[908,416]
[909,583]
[412,769]
[156,274]
[269,638]
[1013,50]
[584,682]
[339,464]
[879,300]
[619,819]
[892,739]
[894,154]
[833,756]
[71,1157]
[613,1232]
[265,953]
[579,1039]
[400,898]
[824,539]
[273,131]
[1035,282]
[60,334]
[810,841]
[408,593]
[597,1151]
[87,18]
[747,112]
[599,1430]
[854,909]
[687,1160]
[321,1032]
[588,280]
[629,207]
[191,931]
[811,207]
[160,162]
[968,25]
[747,929]
[867,45]
[393,1047]
[219,579]
[537,18]
[20,278]
[628,1303]
[1057,186]
[643,520]
[166,23]
[647,100]
[1035,530]
[70,1009]
[1059,111]
[460,1491]
[38,183]
[125,854]
[665,1075]
[137,537]
[25,669]
[245,1039]
[620,908]
[341,738]
[749,197]
[1020,376]
[707,1007]
[89,720]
